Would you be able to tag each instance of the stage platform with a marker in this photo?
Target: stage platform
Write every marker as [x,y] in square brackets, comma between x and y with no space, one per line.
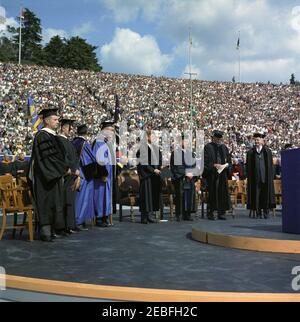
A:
[259,235]
[153,262]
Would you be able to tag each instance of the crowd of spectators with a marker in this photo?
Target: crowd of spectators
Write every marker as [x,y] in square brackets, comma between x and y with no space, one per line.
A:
[237,109]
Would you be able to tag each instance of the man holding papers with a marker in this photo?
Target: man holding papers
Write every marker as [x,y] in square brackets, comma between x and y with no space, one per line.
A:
[216,172]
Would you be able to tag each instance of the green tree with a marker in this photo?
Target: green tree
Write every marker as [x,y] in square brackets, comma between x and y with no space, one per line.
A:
[54,52]
[31,38]
[80,55]
[8,52]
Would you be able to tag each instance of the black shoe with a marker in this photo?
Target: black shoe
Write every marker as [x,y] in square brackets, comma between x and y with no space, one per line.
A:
[101,224]
[56,236]
[144,221]
[189,218]
[151,220]
[47,239]
[222,217]
[60,234]
[81,228]
[72,231]
[211,217]
[266,216]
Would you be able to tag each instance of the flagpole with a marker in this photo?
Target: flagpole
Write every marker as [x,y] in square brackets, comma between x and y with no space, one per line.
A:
[191,80]
[20,35]
[239,53]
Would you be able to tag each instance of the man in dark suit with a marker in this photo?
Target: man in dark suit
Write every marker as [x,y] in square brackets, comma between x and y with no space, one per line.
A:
[184,181]
[216,172]
[149,169]
[72,161]
[260,177]
[20,166]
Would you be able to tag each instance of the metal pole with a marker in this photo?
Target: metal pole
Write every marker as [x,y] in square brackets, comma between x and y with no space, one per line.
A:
[191,80]
[239,52]
[20,36]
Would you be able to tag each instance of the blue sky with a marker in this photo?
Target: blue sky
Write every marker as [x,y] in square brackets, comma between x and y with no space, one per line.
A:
[151,37]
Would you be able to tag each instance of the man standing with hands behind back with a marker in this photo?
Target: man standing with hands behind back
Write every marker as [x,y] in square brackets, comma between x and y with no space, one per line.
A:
[260,178]
[216,172]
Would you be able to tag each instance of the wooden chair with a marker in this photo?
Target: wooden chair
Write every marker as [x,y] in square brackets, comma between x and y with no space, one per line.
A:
[14,200]
[278,194]
[242,191]
[198,193]
[233,193]
[128,192]
[168,196]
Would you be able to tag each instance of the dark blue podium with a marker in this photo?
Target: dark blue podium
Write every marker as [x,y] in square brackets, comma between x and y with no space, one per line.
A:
[290,166]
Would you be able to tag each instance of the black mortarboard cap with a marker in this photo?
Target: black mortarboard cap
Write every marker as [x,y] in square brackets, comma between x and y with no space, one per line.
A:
[48,112]
[107,124]
[259,135]
[217,134]
[66,121]
[82,129]
[288,146]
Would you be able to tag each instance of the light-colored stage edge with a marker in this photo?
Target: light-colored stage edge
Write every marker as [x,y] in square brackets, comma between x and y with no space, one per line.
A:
[247,243]
[139,294]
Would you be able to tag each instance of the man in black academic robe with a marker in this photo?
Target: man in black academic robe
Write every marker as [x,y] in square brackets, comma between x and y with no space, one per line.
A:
[217,159]
[4,169]
[47,170]
[6,165]
[20,166]
[149,168]
[72,159]
[184,181]
[260,177]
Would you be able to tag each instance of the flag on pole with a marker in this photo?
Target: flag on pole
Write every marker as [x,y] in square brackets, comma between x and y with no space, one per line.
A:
[36,121]
[238,44]
[22,14]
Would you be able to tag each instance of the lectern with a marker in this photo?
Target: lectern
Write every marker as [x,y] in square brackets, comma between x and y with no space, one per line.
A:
[290,169]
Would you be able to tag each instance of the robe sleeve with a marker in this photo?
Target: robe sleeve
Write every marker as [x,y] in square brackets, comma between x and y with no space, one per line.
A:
[248,165]
[145,171]
[177,171]
[208,162]
[48,157]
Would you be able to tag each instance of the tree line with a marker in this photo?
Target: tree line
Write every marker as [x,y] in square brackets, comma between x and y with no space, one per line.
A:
[74,52]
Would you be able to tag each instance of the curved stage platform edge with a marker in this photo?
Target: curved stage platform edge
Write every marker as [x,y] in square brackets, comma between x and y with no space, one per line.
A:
[227,240]
[116,293]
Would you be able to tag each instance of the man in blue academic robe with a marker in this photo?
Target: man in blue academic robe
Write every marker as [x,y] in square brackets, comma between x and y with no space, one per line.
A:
[103,149]
[84,206]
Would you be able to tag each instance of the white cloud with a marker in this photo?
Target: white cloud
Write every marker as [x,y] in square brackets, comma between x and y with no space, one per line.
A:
[129,52]
[268,69]
[48,33]
[126,11]
[83,29]
[270,33]
[6,21]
